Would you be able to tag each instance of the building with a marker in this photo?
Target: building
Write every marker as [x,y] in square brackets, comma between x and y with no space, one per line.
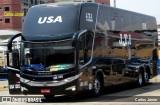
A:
[107,2]
[8,22]
[26,4]
[16,6]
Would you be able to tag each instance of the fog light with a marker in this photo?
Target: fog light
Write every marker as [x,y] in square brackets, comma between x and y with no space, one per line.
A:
[24,89]
[73,88]
[18,75]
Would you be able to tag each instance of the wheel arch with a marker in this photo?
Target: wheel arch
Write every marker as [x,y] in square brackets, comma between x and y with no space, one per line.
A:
[141,69]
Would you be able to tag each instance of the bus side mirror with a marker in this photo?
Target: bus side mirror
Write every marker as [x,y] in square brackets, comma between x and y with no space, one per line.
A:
[10,41]
[74,40]
[76,37]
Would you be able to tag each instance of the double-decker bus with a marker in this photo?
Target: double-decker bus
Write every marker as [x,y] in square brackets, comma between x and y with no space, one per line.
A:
[72,47]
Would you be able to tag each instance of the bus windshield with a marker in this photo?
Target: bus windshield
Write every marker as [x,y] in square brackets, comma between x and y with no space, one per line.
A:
[48,53]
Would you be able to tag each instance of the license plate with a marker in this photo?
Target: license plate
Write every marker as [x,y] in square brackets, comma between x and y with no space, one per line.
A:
[45,91]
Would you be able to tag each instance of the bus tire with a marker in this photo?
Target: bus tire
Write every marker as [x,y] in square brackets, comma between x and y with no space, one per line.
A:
[146,78]
[97,86]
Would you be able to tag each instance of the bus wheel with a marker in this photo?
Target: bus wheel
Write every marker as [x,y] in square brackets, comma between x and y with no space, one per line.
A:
[97,86]
[146,78]
[49,97]
[140,79]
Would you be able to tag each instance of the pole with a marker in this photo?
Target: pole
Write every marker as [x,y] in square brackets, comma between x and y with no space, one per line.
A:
[115,3]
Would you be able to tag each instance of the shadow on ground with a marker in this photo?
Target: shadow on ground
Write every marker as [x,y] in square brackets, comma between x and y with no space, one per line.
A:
[106,96]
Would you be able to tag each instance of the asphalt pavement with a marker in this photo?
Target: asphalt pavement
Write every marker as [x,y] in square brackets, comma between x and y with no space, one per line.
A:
[129,94]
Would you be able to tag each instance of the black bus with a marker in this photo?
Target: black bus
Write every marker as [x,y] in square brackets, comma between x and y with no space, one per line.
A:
[71,47]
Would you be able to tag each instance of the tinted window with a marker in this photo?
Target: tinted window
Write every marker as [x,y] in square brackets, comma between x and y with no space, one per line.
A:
[85,48]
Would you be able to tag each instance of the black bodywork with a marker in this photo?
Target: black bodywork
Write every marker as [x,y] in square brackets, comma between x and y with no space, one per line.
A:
[103,41]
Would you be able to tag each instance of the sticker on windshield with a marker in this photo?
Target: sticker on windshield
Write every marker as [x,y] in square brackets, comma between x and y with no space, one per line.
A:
[60,67]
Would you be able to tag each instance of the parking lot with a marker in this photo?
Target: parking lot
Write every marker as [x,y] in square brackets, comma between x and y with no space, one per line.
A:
[120,95]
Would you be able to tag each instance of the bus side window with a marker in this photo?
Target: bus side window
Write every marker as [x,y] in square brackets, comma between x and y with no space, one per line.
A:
[85,48]
[81,44]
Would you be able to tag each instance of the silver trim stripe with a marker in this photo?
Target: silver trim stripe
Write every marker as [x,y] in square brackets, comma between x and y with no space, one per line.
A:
[50,83]
[13,69]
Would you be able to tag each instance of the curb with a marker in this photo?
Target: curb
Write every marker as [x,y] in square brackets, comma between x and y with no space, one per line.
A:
[155,79]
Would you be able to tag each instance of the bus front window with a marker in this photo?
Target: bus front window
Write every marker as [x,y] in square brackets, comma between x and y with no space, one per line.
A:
[48,54]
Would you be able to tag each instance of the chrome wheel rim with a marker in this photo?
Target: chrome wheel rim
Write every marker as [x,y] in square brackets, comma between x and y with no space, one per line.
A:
[140,79]
[97,86]
[146,77]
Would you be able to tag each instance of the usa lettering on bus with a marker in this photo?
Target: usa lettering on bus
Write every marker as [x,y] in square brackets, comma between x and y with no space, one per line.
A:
[125,40]
[50,19]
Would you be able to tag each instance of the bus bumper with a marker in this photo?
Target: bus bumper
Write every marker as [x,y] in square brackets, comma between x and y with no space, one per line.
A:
[68,88]
[65,86]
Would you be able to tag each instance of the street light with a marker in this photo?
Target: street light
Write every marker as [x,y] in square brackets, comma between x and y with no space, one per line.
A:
[115,3]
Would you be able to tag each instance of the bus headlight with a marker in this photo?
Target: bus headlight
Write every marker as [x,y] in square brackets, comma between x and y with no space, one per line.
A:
[24,80]
[72,78]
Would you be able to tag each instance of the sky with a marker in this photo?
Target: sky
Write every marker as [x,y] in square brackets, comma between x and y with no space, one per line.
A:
[148,7]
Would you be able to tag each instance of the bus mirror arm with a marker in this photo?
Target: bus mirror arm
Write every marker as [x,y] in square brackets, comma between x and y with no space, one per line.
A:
[9,44]
[76,36]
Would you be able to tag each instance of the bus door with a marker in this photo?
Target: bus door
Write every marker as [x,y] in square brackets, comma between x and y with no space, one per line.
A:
[13,72]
